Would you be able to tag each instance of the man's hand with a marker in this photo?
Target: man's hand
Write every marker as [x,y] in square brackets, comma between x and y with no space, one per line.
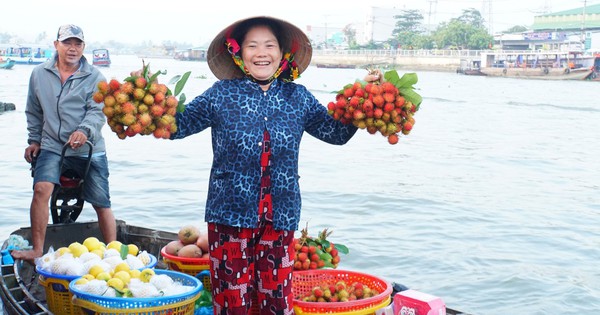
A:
[77,139]
[32,151]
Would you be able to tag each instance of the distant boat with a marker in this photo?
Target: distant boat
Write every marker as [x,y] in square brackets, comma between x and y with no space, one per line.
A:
[336,66]
[470,67]
[7,64]
[101,57]
[192,54]
[545,65]
[26,54]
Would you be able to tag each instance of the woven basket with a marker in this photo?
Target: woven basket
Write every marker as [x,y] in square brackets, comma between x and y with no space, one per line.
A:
[304,281]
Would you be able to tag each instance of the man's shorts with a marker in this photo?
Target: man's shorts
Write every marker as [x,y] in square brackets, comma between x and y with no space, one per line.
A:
[95,185]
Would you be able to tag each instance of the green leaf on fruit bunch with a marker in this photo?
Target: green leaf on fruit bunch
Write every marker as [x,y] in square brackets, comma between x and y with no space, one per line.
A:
[342,249]
[328,264]
[325,256]
[180,81]
[347,86]
[154,76]
[124,251]
[405,85]
[412,96]
[181,103]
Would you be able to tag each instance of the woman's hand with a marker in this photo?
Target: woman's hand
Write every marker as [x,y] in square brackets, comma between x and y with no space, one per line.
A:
[374,76]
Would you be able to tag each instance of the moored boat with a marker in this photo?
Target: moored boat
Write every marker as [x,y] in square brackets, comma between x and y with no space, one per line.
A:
[336,66]
[546,65]
[20,289]
[470,67]
[26,54]
[101,57]
[7,64]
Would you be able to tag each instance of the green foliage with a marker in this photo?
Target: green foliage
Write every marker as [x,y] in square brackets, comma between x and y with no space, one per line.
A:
[408,30]
[124,251]
[405,85]
[464,32]
[515,29]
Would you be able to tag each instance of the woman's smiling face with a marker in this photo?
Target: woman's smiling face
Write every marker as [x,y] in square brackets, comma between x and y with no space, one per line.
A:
[261,52]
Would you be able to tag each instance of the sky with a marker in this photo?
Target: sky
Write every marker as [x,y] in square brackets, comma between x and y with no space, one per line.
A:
[189,21]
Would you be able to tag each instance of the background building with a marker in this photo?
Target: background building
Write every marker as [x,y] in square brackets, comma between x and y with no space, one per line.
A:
[575,29]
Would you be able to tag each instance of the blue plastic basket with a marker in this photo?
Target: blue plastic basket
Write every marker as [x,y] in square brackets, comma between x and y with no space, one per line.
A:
[174,304]
[58,296]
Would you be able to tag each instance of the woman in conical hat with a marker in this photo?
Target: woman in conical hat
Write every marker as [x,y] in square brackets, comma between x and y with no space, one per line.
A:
[257,116]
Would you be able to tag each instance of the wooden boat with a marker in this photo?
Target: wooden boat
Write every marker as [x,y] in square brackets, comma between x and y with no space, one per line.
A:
[7,64]
[20,289]
[101,57]
[546,65]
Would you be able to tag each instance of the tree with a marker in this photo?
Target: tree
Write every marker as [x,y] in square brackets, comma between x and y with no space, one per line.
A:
[472,17]
[515,29]
[350,34]
[408,29]
[465,32]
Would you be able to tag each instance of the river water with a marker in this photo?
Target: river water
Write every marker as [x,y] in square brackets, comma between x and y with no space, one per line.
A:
[491,203]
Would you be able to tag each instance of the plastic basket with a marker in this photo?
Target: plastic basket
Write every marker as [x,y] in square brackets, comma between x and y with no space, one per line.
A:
[304,281]
[180,304]
[58,296]
[190,266]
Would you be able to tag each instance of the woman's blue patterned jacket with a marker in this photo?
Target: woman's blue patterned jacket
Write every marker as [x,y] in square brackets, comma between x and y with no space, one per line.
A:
[238,111]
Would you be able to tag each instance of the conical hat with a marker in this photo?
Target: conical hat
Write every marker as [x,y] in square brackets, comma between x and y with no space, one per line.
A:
[221,63]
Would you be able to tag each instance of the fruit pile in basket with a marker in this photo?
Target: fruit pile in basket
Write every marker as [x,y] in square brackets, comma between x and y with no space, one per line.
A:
[385,107]
[78,258]
[317,252]
[340,291]
[190,243]
[141,105]
[126,282]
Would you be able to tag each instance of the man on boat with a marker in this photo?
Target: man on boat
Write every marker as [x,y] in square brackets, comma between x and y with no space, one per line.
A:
[60,111]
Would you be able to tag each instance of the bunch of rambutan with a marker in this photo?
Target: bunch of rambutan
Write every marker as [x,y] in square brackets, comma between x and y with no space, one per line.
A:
[387,107]
[140,105]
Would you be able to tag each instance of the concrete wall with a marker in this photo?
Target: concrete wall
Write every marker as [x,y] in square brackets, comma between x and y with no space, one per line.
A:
[426,60]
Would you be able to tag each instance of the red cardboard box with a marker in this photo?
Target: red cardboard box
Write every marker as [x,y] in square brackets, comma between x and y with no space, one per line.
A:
[412,302]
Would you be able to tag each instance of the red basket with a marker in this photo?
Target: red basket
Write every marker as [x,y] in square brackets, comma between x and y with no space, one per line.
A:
[304,281]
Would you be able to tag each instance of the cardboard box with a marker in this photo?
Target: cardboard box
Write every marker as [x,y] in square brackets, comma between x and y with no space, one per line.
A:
[412,302]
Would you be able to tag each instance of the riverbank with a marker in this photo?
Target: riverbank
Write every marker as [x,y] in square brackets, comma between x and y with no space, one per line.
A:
[430,60]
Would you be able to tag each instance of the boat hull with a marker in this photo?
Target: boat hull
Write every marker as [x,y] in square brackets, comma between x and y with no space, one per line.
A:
[101,58]
[19,288]
[539,73]
[7,64]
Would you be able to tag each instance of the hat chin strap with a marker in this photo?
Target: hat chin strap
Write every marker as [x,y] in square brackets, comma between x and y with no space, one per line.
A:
[261,82]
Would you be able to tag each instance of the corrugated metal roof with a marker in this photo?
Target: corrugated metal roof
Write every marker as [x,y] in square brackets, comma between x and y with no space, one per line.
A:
[564,25]
[590,9]
[568,19]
